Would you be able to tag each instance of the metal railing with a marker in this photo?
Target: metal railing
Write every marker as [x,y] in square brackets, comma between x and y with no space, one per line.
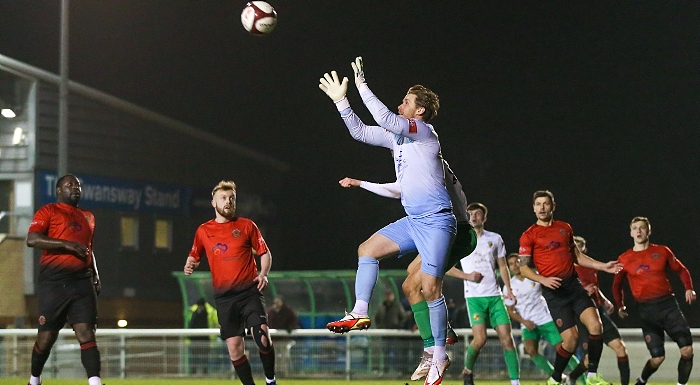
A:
[304,353]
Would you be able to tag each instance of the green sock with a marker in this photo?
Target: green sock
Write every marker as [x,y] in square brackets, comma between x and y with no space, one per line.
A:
[512,363]
[422,316]
[470,358]
[543,363]
[573,363]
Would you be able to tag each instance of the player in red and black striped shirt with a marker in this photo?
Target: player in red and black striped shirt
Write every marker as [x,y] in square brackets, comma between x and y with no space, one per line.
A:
[68,278]
[550,245]
[228,242]
[645,269]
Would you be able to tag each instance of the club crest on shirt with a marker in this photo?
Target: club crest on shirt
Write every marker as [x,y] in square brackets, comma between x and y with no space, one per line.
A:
[219,248]
[489,243]
[655,256]
[559,322]
[236,233]
[42,320]
[553,245]
[412,126]
[563,232]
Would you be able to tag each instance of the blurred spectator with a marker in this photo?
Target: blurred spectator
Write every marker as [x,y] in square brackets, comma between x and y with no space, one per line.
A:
[202,316]
[458,316]
[282,316]
[390,314]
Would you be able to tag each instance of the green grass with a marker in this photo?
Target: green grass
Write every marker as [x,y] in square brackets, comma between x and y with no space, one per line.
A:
[115,381]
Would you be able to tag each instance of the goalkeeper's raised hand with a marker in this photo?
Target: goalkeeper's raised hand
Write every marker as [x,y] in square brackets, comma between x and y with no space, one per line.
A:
[358,67]
[333,87]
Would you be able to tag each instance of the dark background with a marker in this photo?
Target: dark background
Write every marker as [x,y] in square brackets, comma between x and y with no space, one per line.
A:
[597,102]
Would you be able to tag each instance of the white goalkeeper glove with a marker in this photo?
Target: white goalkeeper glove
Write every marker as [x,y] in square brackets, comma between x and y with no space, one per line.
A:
[358,67]
[333,87]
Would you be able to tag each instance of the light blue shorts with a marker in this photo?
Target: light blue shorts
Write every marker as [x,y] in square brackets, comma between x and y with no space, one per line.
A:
[431,236]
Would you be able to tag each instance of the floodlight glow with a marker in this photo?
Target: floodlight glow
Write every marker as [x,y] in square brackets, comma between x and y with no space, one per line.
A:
[8,113]
[18,136]
[121,323]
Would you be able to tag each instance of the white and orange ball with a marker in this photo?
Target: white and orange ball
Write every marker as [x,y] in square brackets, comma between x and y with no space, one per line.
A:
[259,18]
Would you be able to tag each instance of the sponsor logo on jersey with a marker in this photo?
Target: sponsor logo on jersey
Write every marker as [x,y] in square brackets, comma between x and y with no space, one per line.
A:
[236,233]
[642,269]
[75,227]
[553,245]
[219,248]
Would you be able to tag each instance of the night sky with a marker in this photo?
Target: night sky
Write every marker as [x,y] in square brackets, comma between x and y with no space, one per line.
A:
[599,103]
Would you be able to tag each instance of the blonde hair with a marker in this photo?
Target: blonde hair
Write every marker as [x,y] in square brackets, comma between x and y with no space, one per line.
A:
[225,185]
[641,219]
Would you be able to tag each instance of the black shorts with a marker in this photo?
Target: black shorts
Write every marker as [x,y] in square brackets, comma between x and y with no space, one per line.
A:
[240,311]
[663,315]
[71,302]
[463,245]
[610,331]
[567,302]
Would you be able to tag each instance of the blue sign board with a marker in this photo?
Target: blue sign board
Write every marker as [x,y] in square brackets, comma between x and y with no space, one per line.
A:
[121,194]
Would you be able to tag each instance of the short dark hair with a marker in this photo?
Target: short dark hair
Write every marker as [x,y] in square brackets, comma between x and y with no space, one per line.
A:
[61,179]
[512,255]
[478,206]
[543,193]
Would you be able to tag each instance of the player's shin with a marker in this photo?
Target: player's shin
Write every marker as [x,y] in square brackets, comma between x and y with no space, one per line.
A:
[39,358]
[685,365]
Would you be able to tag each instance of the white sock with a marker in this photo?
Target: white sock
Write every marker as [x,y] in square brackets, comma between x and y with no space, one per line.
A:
[269,381]
[430,350]
[34,380]
[514,382]
[94,381]
[360,307]
[439,354]
[591,374]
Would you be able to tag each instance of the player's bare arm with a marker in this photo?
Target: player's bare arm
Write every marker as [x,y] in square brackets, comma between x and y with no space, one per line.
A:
[527,272]
[43,241]
[96,276]
[190,265]
[505,275]
[612,267]
[265,265]
[474,276]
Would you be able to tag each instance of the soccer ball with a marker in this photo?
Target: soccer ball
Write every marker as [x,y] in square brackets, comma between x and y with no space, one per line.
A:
[259,18]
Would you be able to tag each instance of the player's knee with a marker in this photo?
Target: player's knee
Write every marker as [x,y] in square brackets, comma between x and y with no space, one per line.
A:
[410,286]
[261,338]
[686,352]
[478,343]
[531,350]
[656,361]
[618,346]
